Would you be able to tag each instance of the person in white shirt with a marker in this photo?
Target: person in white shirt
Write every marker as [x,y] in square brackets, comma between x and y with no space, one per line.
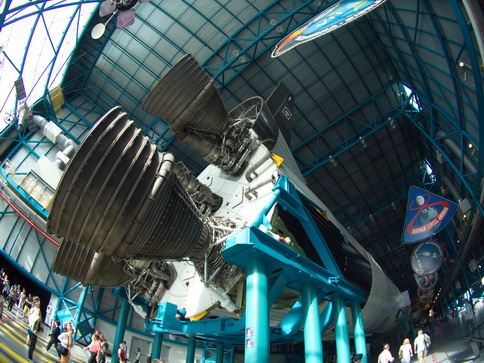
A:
[385,356]
[469,317]
[34,326]
[405,353]
[420,347]
[137,356]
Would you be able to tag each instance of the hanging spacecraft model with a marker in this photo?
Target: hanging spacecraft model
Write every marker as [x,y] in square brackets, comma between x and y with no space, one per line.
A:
[129,215]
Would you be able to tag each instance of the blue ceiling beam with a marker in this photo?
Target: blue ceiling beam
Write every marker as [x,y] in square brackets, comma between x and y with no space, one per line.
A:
[392,190]
[411,45]
[10,15]
[350,137]
[428,125]
[476,70]
[253,47]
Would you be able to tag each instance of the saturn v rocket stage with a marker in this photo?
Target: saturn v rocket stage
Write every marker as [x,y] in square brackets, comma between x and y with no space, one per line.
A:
[134,217]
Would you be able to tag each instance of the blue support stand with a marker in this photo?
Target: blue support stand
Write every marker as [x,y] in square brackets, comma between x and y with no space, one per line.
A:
[270,267]
[156,348]
[359,331]
[191,349]
[80,307]
[120,329]
[313,345]
[220,353]
[341,330]
[257,347]
[60,298]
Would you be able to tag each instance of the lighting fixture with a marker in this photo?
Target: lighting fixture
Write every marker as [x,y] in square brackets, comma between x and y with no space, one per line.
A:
[121,7]
[332,160]
[363,142]
[391,122]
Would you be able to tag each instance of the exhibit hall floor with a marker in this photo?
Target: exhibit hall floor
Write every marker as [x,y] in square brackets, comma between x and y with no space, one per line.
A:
[449,342]
[13,334]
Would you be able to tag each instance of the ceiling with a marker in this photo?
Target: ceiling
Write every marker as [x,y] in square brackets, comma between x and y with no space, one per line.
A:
[351,105]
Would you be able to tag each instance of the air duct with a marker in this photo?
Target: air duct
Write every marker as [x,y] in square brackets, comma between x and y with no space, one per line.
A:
[469,164]
[54,134]
[453,190]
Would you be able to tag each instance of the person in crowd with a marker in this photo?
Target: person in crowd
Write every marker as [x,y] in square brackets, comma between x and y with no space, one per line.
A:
[55,331]
[420,346]
[98,333]
[65,343]
[19,291]
[126,349]
[357,358]
[137,356]
[122,353]
[34,326]
[405,352]
[12,297]
[469,317]
[6,287]
[21,301]
[94,347]
[2,302]
[28,304]
[103,351]
[385,356]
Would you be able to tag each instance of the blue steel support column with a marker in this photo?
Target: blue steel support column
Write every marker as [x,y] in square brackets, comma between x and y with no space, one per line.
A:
[156,348]
[359,331]
[60,298]
[80,307]
[98,304]
[341,330]
[120,329]
[313,345]
[408,329]
[257,346]
[220,353]
[191,350]
[204,351]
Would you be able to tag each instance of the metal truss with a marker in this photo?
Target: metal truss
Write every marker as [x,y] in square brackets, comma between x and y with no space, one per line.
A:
[257,36]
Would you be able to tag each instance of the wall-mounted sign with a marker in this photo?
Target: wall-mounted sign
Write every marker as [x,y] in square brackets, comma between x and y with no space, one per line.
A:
[427,214]
[427,257]
[328,20]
